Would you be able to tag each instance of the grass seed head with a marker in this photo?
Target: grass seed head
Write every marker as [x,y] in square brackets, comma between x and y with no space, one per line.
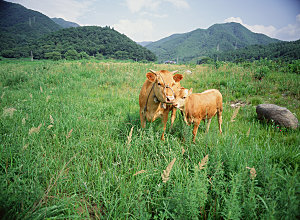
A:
[50,126]
[129,136]
[35,130]
[166,173]
[69,134]
[51,119]
[252,172]
[8,112]
[139,172]
[236,111]
[182,151]
[23,121]
[203,162]
[248,132]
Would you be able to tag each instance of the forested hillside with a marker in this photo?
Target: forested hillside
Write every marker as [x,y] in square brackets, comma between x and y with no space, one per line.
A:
[285,51]
[24,31]
[81,42]
[201,42]
[19,25]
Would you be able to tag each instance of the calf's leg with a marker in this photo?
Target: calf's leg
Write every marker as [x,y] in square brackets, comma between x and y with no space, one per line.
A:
[143,119]
[195,130]
[173,116]
[164,121]
[208,124]
[220,121]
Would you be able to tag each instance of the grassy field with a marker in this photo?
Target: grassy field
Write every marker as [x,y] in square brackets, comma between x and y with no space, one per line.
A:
[72,146]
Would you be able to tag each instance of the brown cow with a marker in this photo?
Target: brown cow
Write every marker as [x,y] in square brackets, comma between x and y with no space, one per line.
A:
[200,106]
[157,96]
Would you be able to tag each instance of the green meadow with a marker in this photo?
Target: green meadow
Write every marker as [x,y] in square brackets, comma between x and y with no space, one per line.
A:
[71,144]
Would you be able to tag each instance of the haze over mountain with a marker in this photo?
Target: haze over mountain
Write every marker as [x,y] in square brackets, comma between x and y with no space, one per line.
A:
[202,42]
[65,24]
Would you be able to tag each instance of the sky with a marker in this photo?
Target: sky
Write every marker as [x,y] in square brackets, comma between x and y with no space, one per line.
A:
[152,20]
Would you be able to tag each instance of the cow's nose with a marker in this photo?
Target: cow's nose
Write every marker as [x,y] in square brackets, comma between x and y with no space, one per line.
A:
[170,98]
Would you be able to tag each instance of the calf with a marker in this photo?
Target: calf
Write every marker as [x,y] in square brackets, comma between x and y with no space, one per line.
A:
[200,106]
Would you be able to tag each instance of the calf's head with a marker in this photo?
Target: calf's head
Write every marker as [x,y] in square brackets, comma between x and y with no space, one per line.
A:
[165,84]
[182,94]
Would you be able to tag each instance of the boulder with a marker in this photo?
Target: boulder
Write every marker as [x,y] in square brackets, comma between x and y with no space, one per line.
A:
[279,115]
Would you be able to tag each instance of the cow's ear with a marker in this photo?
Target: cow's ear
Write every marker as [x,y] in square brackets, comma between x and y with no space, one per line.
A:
[151,77]
[190,91]
[177,77]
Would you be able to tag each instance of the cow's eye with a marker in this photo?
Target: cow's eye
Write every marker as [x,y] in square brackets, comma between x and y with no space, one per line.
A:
[183,97]
[159,84]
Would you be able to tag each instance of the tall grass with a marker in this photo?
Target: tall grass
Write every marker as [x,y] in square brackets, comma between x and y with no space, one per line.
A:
[72,146]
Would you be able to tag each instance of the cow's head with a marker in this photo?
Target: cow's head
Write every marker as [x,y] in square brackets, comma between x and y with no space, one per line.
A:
[165,84]
[182,94]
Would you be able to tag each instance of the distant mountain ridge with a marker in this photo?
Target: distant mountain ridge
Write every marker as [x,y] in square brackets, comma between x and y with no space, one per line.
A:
[202,42]
[144,43]
[63,23]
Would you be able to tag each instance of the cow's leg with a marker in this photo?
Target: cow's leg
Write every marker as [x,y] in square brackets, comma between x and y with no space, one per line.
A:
[143,119]
[164,121]
[220,121]
[173,116]
[195,130]
[208,124]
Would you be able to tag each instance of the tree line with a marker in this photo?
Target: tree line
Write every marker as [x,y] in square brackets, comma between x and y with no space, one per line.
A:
[283,51]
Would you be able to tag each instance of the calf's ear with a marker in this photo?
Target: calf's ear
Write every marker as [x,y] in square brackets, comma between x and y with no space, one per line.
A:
[190,91]
[151,77]
[177,77]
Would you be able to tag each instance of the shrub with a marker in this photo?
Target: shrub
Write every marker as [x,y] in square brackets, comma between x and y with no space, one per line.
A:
[262,72]
[72,55]
[53,55]
[99,56]
[84,55]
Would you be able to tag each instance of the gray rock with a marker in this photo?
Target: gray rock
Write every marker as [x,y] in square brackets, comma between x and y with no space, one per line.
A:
[279,115]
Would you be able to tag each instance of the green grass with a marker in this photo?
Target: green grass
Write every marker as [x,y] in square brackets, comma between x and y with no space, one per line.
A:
[84,166]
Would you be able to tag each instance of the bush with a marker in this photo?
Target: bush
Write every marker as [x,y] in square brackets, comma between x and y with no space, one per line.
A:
[8,54]
[53,55]
[84,55]
[262,72]
[99,56]
[72,55]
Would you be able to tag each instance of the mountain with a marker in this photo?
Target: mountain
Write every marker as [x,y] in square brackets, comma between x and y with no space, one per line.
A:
[23,30]
[90,40]
[63,23]
[19,25]
[144,43]
[202,42]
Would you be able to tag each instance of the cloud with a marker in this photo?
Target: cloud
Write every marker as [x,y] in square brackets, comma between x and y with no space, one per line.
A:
[138,30]
[267,30]
[138,5]
[67,9]
[290,32]
[147,14]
